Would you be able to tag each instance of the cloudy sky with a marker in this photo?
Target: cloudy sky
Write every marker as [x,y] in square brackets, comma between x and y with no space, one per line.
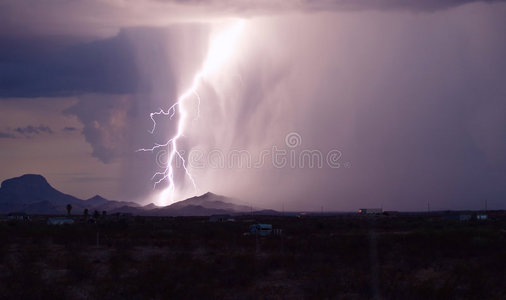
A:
[335,104]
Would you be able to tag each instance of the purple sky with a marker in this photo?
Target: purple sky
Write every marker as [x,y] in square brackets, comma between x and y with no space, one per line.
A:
[409,95]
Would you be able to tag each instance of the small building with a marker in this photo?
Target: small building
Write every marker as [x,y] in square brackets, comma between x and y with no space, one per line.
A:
[59,221]
[18,216]
[220,218]
[481,217]
[261,229]
[370,211]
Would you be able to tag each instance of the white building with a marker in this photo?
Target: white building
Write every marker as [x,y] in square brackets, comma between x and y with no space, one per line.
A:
[261,229]
[481,217]
[20,216]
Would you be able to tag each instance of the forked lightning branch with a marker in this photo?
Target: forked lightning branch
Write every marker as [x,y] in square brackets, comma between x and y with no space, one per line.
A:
[220,49]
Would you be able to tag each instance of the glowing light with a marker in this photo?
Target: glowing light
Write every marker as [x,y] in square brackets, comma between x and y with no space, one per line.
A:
[220,49]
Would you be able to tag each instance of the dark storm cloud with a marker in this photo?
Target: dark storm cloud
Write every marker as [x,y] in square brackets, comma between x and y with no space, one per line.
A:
[410,5]
[252,7]
[37,68]
[4,135]
[27,131]
[92,17]
[33,130]
[69,129]
[112,121]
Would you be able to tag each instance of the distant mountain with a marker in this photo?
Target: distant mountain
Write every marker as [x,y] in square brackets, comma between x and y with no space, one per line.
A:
[113,205]
[150,206]
[204,205]
[43,207]
[31,188]
[96,200]
[210,201]
[32,193]
[145,210]
[99,203]
[266,212]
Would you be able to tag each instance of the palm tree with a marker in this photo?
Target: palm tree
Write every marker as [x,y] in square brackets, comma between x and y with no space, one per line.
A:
[86,212]
[69,208]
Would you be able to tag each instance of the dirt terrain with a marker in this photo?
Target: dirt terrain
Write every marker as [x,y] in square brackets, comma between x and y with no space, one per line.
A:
[394,256]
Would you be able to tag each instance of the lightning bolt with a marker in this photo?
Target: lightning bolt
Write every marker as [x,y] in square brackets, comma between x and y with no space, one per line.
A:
[220,49]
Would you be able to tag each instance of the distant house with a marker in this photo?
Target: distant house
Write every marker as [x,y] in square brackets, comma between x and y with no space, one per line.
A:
[261,229]
[370,211]
[59,221]
[481,217]
[220,218]
[19,216]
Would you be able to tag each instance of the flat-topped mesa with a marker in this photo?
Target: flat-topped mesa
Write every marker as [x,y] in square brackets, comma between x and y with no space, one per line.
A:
[27,180]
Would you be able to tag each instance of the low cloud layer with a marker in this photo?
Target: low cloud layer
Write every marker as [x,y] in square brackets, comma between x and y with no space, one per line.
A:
[30,130]
[69,129]
[26,131]
[105,17]
[4,135]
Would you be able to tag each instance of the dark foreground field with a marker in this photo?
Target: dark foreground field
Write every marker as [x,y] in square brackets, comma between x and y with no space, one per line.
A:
[343,257]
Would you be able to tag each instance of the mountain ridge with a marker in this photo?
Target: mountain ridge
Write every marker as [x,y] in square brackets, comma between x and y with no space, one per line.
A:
[32,193]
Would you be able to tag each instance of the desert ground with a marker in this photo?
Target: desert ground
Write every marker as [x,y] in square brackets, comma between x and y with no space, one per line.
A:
[341,256]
